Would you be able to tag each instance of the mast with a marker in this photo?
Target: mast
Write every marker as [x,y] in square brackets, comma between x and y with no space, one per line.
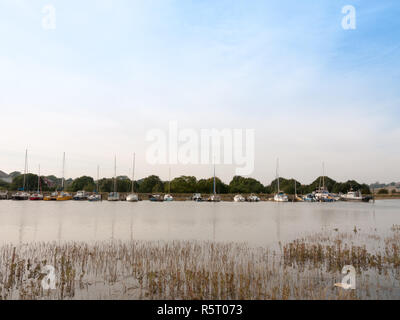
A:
[169,180]
[133,170]
[38,184]
[277,173]
[115,174]
[323,175]
[63,172]
[97,182]
[26,168]
[214,179]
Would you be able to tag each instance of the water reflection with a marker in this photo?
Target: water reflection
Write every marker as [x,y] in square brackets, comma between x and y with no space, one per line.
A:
[256,223]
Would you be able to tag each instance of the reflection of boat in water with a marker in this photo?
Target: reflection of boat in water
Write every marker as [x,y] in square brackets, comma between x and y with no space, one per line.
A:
[253,198]
[355,196]
[132,197]
[114,196]
[81,195]
[279,196]
[52,197]
[239,198]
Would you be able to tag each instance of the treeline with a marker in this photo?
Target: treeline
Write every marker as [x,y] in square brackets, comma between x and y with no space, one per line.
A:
[184,184]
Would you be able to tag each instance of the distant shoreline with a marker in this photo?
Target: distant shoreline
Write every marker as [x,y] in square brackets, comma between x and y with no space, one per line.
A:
[227,197]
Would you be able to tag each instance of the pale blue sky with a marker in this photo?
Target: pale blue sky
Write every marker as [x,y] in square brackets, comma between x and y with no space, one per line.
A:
[112,70]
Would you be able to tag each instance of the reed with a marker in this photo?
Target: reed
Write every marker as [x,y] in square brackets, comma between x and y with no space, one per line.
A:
[305,268]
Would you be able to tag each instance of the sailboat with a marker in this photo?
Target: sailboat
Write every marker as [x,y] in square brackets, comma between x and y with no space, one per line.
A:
[114,196]
[63,196]
[38,195]
[280,196]
[214,197]
[322,193]
[132,197]
[253,198]
[96,196]
[296,197]
[239,198]
[168,196]
[22,194]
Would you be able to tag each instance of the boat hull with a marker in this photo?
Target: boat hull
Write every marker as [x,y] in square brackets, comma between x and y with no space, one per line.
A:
[35,197]
[64,198]
[132,198]
[363,199]
[94,198]
[21,196]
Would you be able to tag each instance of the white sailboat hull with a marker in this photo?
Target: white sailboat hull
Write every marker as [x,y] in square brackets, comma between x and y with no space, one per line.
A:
[133,197]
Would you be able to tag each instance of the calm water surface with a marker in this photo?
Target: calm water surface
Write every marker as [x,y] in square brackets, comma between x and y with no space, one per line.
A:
[262,223]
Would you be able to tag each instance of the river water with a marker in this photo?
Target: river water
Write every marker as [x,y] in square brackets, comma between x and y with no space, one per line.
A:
[259,224]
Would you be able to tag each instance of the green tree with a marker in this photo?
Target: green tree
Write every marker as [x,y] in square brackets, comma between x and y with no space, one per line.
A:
[31,183]
[183,184]
[123,184]
[151,184]
[287,186]
[383,191]
[106,185]
[83,183]
[4,185]
[206,186]
[245,185]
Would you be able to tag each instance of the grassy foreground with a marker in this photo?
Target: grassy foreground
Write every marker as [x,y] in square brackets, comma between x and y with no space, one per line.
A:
[306,268]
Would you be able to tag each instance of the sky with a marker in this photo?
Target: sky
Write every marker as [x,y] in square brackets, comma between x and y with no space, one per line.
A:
[110,71]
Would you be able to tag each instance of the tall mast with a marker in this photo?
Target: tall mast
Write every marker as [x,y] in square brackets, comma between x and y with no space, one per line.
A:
[63,168]
[169,180]
[214,178]
[38,184]
[323,175]
[115,174]
[26,168]
[97,183]
[277,173]
[133,169]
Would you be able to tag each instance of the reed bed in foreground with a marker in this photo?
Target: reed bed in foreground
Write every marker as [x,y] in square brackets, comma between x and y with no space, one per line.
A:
[303,269]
